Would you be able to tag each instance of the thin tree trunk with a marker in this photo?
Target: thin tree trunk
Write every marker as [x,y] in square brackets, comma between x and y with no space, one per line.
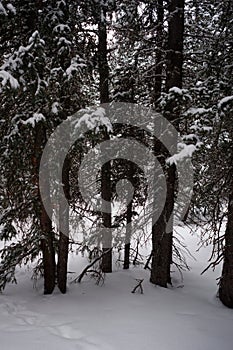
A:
[48,252]
[159,50]
[106,264]
[128,235]
[63,246]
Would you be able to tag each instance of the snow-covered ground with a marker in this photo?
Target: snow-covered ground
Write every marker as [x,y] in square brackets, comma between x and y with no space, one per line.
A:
[187,316]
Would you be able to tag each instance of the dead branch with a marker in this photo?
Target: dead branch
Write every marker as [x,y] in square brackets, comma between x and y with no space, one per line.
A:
[139,285]
[148,262]
[137,253]
[88,267]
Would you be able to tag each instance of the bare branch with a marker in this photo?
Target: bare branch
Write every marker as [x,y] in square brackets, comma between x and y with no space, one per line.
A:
[139,285]
[88,267]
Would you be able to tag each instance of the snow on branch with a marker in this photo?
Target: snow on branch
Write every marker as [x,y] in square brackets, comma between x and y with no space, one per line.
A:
[2,9]
[94,119]
[9,7]
[224,101]
[36,118]
[186,151]
[7,77]
[76,65]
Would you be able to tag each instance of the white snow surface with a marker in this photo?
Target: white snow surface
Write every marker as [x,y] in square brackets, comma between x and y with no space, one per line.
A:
[187,316]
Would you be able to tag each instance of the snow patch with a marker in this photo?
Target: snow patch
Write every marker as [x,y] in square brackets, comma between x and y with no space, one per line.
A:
[110,317]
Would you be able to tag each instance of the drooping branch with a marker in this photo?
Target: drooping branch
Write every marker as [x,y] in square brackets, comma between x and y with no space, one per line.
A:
[88,267]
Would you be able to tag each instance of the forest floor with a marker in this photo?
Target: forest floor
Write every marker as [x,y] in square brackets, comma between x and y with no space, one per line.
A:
[187,316]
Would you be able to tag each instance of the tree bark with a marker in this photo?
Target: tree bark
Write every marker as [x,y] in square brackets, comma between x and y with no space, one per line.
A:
[106,263]
[159,55]
[162,232]
[226,282]
[128,236]
[48,252]
[47,241]
[175,44]
[63,245]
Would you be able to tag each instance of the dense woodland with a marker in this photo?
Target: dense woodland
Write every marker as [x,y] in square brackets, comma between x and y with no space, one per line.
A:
[57,57]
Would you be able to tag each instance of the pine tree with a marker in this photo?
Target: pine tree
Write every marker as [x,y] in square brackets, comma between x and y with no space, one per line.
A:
[43,63]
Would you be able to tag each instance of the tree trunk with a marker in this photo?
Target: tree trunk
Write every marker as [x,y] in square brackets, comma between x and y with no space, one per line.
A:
[175,44]
[48,252]
[159,56]
[226,282]
[128,235]
[106,264]
[63,246]
[47,242]
[162,232]
[160,267]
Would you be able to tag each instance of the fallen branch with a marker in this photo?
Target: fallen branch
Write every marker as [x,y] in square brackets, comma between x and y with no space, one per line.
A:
[139,285]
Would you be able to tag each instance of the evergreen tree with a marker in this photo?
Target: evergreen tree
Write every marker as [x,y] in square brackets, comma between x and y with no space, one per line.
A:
[41,60]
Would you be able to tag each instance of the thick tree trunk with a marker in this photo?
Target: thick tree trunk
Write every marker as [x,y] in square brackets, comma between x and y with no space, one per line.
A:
[160,267]
[162,232]
[175,44]
[226,282]
[63,246]
[106,264]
